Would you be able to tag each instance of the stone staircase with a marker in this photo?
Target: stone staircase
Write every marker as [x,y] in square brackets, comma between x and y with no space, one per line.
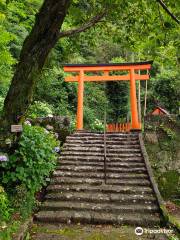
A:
[78,193]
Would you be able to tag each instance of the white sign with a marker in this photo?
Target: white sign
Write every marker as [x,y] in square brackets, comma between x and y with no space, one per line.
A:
[16,128]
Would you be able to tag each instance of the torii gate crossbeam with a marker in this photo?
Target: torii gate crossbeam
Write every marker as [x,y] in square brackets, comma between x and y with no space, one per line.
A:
[106,74]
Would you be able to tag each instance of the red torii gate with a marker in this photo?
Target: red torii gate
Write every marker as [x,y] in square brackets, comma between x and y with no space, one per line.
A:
[133,70]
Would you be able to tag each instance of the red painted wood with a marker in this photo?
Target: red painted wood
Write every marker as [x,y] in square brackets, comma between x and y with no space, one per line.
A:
[118,127]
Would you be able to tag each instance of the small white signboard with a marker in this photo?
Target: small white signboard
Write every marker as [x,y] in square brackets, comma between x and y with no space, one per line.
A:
[16,128]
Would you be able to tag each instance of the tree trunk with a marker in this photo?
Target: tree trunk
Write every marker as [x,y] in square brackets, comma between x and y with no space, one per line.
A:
[35,50]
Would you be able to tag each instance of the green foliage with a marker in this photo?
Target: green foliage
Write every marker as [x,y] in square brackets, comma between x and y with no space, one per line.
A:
[33,160]
[72,127]
[97,125]
[39,109]
[56,92]
[117,93]
[4,206]
[6,58]
[1,104]
[27,203]
[16,20]
[170,133]
[166,90]
[169,184]
[63,96]
[142,31]
[9,230]
[95,104]
[173,238]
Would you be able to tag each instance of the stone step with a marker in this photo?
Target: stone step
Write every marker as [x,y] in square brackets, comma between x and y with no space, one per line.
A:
[109,142]
[100,164]
[92,217]
[123,150]
[118,154]
[114,135]
[101,136]
[101,150]
[97,182]
[102,189]
[121,199]
[124,159]
[100,146]
[59,173]
[78,193]
[100,175]
[98,207]
[101,140]
[101,169]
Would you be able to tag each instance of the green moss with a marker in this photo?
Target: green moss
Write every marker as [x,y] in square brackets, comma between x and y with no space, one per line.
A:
[71,233]
[85,232]
[174,221]
[169,184]
[113,235]
[177,202]
[169,218]
[165,213]
[7,232]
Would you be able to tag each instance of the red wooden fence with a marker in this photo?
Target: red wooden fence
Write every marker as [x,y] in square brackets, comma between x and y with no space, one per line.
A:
[118,127]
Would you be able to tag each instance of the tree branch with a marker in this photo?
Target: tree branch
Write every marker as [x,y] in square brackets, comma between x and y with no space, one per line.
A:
[84,27]
[168,11]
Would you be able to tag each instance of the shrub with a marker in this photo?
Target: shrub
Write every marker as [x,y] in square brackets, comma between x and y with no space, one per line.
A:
[166,90]
[1,104]
[4,206]
[72,126]
[169,184]
[23,201]
[97,125]
[39,109]
[33,161]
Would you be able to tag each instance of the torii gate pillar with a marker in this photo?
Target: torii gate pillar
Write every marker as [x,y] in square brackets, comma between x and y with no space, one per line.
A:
[133,99]
[79,121]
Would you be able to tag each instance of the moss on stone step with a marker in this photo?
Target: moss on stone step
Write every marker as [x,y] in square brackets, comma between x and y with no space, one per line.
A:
[84,232]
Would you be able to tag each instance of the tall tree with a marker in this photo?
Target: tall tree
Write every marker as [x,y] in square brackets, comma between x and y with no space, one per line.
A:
[36,47]
[43,37]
